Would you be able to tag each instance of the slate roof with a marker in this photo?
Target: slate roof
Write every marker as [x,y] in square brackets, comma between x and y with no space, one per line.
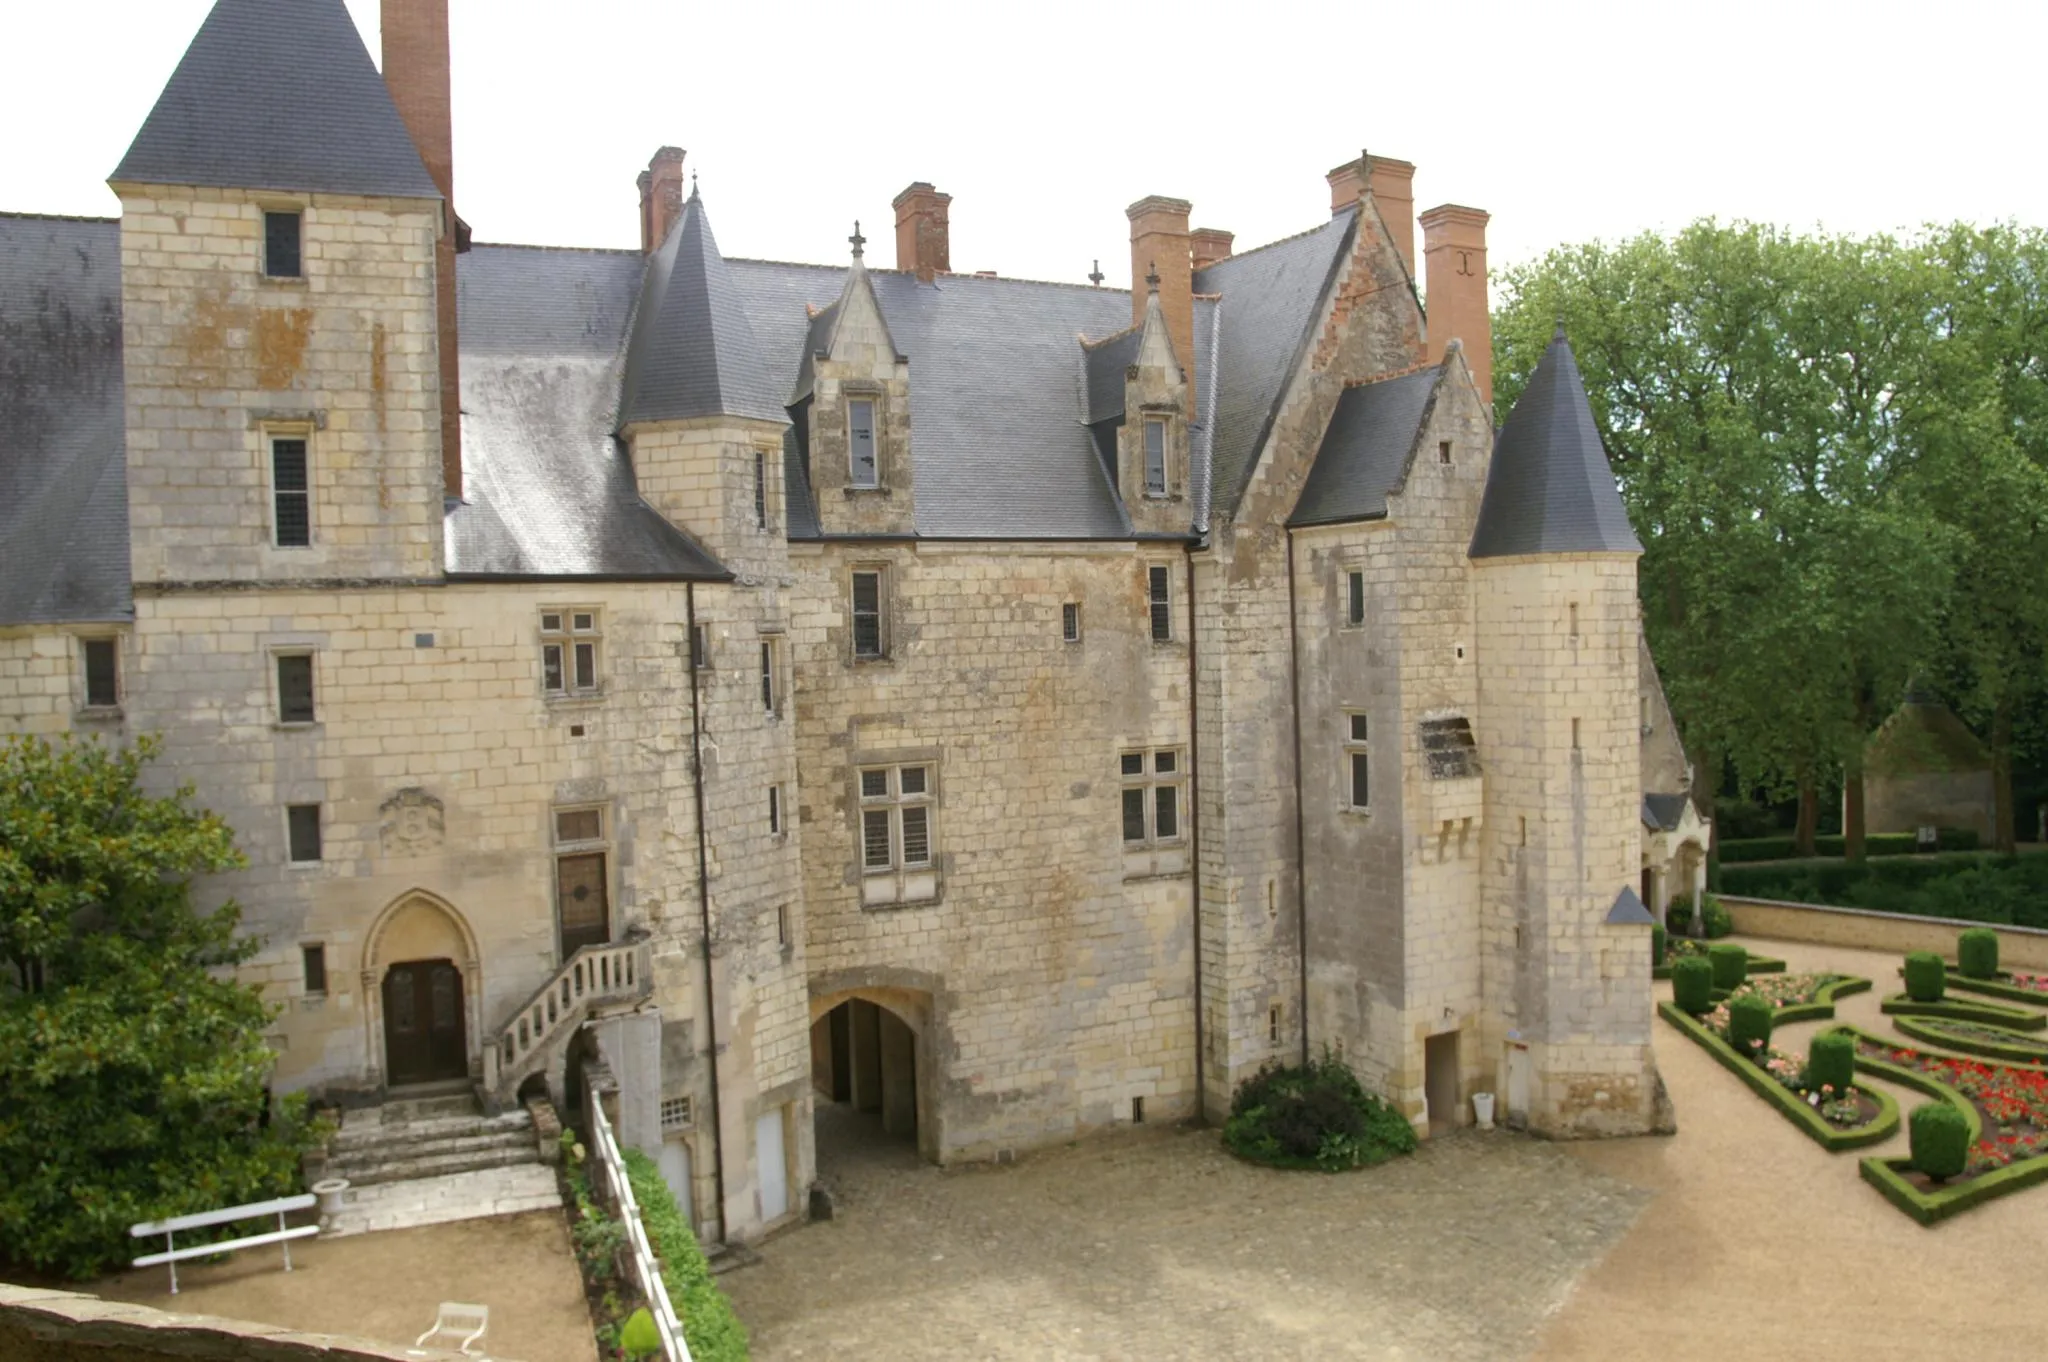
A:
[63,471]
[278,94]
[549,491]
[1662,812]
[1550,488]
[1105,366]
[693,351]
[1628,911]
[1365,450]
[998,444]
[1271,297]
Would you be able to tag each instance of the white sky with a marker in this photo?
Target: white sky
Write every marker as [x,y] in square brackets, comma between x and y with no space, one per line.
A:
[1044,119]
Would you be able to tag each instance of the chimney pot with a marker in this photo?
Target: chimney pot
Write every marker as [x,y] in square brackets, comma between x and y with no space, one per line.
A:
[1392,182]
[1454,252]
[1160,245]
[1209,245]
[923,236]
[661,197]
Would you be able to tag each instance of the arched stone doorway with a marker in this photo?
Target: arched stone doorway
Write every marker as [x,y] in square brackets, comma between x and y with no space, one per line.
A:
[871,1073]
[422,992]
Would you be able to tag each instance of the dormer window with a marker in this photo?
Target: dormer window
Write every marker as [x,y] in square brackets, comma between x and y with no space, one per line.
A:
[1155,458]
[862,468]
[281,245]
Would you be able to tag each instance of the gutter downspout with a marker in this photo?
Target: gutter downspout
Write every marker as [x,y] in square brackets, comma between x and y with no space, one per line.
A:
[1195,842]
[704,909]
[1300,839]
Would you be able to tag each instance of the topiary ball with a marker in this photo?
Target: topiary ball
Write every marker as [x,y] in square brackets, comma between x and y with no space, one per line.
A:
[1831,1062]
[1730,963]
[1692,984]
[1656,944]
[1714,919]
[1977,953]
[1925,975]
[1940,1140]
[1749,1025]
[639,1337]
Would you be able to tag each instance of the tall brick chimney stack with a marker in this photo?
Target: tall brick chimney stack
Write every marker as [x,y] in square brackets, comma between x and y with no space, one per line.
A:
[1160,244]
[1454,250]
[923,245]
[416,72]
[1209,245]
[661,198]
[1393,188]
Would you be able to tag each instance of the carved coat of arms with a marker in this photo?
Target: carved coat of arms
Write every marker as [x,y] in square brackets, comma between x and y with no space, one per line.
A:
[411,823]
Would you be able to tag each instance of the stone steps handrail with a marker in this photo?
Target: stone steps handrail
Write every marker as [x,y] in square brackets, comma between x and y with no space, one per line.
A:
[613,972]
[639,1251]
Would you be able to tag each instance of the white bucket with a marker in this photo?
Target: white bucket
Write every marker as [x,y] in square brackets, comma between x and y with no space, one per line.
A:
[1482,1107]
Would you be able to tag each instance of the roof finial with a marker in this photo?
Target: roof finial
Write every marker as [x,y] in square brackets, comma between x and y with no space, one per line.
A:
[1152,276]
[857,239]
[1095,275]
[1558,334]
[693,184]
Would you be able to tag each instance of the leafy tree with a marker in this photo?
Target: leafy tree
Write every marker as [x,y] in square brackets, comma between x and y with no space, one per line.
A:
[135,1073]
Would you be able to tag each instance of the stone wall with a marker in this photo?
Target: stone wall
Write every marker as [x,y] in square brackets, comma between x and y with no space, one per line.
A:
[218,357]
[64,1326]
[2021,948]
[1055,966]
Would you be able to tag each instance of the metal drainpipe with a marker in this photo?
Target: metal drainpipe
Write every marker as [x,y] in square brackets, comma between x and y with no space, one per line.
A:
[704,910]
[1195,839]
[1300,840]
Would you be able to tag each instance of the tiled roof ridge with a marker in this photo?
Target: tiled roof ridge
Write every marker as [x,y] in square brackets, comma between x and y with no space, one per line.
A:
[1235,256]
[1101,341]
[23,216]
[531,246]
[949,274]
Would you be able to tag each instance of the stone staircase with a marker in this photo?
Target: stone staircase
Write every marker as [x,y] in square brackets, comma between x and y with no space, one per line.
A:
[426,1138]
[616,974]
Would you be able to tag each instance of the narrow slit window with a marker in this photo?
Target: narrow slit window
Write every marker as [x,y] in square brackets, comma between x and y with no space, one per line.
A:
[1354,604]
[867,615]
[102,673]
[302,827]
[291,494]
[760,490]
[1357,757]
[1070,622]
[860,444]
[313,962]
[775,810]
[1155,458]
[295,688]
[782,924]
[1159,588]
[700,645]
[281,252]
[1443,451]
[767,676]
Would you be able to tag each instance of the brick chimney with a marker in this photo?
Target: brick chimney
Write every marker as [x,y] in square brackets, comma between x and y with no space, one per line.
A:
[661,198]
[1393,188]
[1454,250]
[922,244]
[416,72]
[1160,244]
[1209,245]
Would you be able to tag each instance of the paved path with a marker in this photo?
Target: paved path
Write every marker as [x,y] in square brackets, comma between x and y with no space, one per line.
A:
[1157,1244]
[1760,1244]
[512,1190]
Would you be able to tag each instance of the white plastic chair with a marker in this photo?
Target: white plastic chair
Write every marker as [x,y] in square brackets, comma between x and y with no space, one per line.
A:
[457,1320]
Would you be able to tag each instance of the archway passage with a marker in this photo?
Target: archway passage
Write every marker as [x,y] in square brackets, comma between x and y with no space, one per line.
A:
[864,1071]
[424,1038]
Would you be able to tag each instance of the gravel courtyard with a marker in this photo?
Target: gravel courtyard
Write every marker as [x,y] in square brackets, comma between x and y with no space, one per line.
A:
[1738,1238]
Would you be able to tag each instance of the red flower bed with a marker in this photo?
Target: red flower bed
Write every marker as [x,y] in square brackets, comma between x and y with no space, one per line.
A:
[2032,983]
[2012,1102]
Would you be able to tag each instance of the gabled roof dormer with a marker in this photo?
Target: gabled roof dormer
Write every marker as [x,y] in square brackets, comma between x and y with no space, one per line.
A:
[1152,446]
[278,95]
[855,396]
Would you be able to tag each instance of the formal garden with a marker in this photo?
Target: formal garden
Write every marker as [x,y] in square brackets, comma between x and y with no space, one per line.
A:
[1972,1044]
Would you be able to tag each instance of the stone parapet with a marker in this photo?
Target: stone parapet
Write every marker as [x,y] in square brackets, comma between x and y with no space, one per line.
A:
[65,1326]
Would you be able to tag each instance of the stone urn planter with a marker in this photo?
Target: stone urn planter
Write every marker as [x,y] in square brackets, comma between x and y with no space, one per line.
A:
[1482,1108]
[330,1192]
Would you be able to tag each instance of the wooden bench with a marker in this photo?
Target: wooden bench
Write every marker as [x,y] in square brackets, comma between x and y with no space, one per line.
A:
[173,1255]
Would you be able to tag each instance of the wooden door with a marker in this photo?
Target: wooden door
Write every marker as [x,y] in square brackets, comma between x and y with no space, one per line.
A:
[424,1037]
[582,901]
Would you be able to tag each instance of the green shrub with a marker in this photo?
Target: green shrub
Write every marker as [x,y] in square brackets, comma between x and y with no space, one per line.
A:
[1743,850]
[1749,1025]
[1314,1115]
[639,1337]
[1924,977]
[1831,1061]
[710,1328]
[1940,1140]
[1692,984]
[1729,963]
[1678,915]
[2003,890]
[1657,938]
[1714,918]
[1977,953]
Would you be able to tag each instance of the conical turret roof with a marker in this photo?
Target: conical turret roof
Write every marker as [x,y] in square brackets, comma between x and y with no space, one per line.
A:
[692,351]
[278,94]
[1550,489]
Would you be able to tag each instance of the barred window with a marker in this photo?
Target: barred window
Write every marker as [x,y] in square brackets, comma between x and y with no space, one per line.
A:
[295,688]
[862,470]
[895,817]
[1155,458]
[870,637]
[281,250]
[1159,588]
[102,672]
[291,494]
[1070,622]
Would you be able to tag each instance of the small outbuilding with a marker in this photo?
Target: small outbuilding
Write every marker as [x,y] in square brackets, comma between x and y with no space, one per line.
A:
[1925,768]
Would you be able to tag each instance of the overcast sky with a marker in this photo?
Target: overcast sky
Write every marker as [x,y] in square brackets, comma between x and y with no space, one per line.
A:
[1044,119]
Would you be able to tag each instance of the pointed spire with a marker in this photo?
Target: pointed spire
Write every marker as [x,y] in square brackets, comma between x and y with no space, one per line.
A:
[1550,489]
[857,239]
[693,185]
[234,115]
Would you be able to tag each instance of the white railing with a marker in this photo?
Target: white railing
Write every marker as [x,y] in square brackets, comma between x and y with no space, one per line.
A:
[173,1255]
[646,1266]
[609,973]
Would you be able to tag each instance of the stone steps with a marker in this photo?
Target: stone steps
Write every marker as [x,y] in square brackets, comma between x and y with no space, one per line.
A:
[414,1133]
[434,1137]
[405,1166]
